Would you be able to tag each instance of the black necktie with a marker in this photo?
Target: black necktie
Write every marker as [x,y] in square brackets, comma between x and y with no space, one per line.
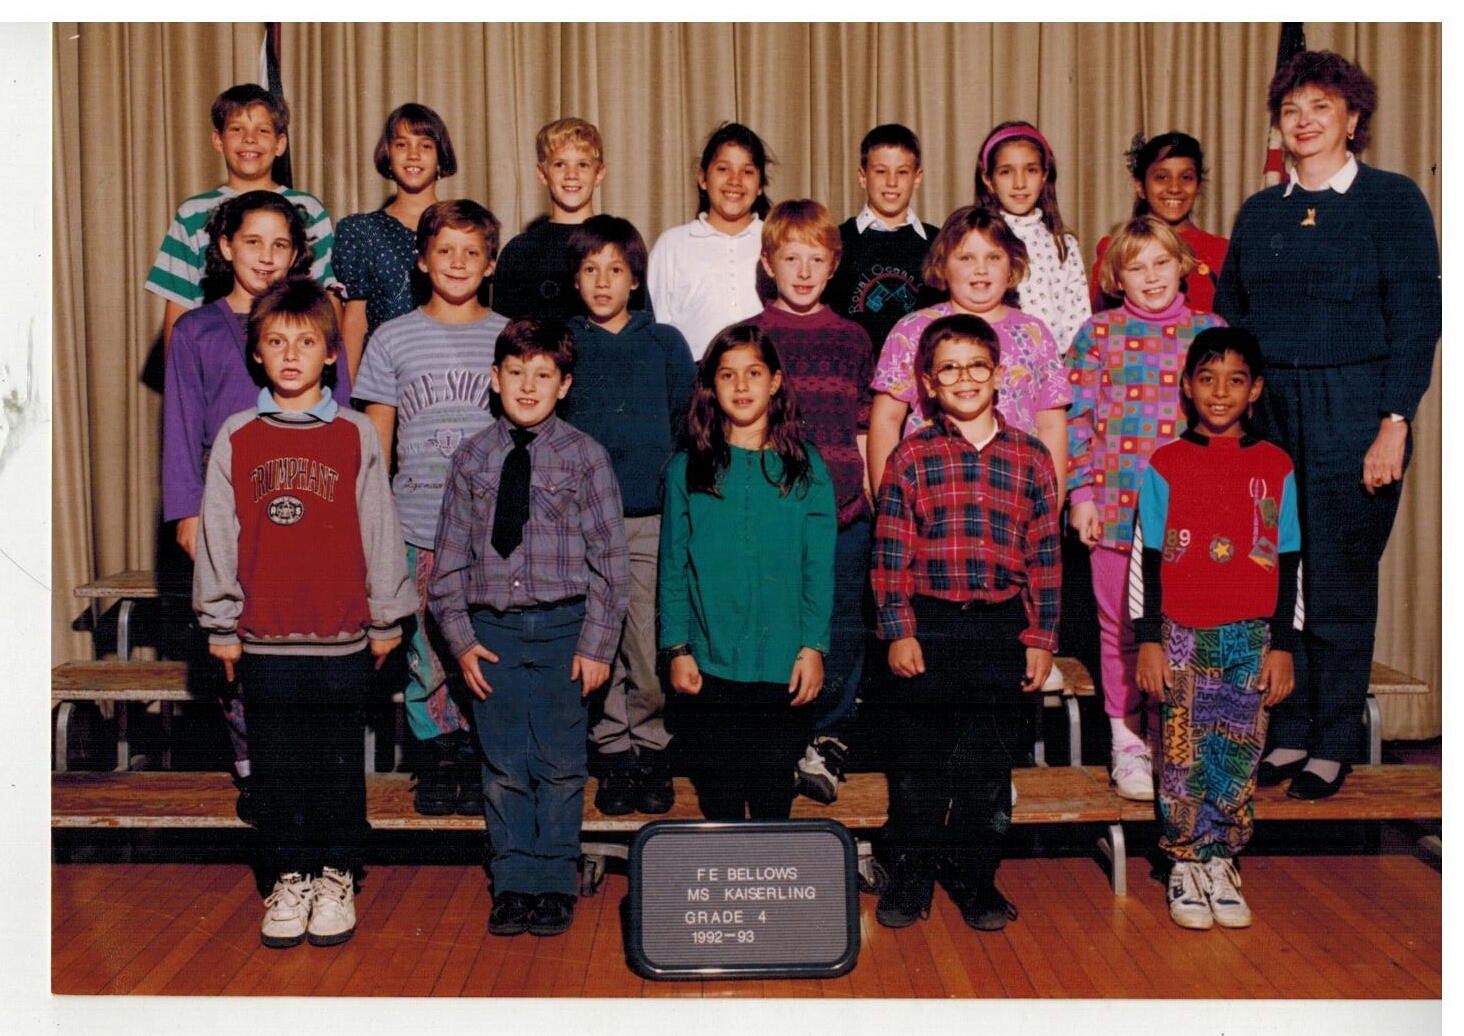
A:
[513,495]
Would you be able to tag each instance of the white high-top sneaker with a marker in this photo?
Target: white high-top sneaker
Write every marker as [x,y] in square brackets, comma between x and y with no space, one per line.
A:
[287,911]
[333,915]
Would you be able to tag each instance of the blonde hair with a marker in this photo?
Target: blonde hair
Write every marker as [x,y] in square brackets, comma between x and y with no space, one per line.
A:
[560,132]
[1130,239]
[805,221]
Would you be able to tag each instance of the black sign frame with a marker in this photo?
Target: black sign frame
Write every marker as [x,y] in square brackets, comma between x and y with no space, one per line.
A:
[701,840]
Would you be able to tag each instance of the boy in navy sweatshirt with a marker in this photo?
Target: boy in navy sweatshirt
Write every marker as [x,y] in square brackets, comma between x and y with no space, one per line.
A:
[632,381]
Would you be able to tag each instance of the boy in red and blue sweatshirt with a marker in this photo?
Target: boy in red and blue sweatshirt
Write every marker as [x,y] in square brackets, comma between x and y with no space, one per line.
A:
[300,582]
[1213,593]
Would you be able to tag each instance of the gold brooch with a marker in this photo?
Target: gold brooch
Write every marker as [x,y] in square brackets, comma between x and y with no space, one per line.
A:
[1311,218]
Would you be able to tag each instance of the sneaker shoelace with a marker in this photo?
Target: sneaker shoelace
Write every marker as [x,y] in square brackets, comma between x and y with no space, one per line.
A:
[290,887]
[334,883]
[1224,882]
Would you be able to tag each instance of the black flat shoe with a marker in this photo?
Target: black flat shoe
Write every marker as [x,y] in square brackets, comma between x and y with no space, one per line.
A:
[1269,775]
[1308,785]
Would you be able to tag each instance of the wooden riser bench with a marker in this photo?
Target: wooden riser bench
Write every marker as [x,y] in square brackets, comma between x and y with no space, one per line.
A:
[176,799]
[121,682]
[116,680]
[1045,795]
[1384,682]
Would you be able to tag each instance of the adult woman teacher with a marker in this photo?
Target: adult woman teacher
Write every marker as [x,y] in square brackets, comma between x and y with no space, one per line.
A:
[1337,273]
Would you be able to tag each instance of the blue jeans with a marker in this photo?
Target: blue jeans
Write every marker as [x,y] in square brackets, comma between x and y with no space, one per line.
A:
[532,729]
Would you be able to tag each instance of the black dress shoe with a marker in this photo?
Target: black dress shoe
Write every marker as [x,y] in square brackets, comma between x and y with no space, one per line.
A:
[615,796]
[511,913]
[653,790]
[1270,775]
[552,914]
[1308,785]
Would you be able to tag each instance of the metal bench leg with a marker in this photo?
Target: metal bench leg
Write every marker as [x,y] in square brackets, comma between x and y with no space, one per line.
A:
[1372,718]
[63,727]
[124,752]
[1116,852]
[1039,746]
[370,743]
[1075,732]
[592,865]
[124,630]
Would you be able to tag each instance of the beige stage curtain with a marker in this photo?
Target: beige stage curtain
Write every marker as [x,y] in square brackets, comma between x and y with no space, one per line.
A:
[131,140]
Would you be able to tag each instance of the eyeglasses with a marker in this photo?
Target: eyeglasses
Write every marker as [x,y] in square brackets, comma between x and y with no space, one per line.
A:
[950,373]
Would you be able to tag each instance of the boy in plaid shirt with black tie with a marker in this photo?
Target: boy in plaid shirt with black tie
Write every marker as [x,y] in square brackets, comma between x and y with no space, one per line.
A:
[966,570]
[530,588]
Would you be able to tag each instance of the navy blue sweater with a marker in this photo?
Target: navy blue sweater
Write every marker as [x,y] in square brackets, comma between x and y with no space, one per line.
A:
[1326,279]
[629,393]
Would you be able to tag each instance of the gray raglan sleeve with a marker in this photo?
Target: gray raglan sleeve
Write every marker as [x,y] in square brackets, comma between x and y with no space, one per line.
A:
[389,588]
[218,597]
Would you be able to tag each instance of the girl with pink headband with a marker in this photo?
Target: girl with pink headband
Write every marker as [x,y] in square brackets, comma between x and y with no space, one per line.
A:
[1017,177]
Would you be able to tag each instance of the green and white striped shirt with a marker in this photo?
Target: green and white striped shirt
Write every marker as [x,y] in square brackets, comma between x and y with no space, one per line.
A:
[177,273]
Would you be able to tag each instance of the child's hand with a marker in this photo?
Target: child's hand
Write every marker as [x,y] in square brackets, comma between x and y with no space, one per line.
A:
[381,648]
[906,658]
[1039,664]
[187,535]
[227,654]
[470,663]
[1278,678]
[590,673]
[1153,673]
[807,678]
[686,676]
[1084,520]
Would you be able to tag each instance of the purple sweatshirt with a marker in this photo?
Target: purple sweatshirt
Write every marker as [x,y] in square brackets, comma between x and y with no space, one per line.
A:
[206,380]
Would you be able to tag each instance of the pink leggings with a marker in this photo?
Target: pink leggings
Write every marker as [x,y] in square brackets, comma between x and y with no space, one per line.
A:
[1117,650]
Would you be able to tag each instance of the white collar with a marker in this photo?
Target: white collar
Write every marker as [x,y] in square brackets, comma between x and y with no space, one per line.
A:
[868,218]
[1339,182]
[703,228]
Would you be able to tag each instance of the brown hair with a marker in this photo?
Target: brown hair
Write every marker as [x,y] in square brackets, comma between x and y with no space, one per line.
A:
[1335,74]
[707,451]
[294,300]
[460,214]
[992,227]
[423,121]
[527,338]
[246,95]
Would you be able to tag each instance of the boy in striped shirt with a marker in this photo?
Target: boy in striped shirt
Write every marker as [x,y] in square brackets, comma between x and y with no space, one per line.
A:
[251,130]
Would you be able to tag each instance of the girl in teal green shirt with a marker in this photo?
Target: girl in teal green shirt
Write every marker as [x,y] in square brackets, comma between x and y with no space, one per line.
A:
[746,584]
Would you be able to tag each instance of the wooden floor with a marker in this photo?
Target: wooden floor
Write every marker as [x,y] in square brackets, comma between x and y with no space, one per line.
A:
[1327,926]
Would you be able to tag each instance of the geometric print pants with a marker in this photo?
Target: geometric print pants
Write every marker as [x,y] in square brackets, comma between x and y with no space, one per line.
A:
[1214,732]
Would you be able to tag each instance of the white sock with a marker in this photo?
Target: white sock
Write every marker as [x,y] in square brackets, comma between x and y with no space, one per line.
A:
[1326,769]
[1125,737]
[1282,756]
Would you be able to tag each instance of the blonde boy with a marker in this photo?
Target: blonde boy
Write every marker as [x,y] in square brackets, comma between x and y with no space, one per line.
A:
[534,277]
[251,130]
[828,360]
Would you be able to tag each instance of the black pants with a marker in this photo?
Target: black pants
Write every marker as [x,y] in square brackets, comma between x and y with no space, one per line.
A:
[1326,418]
[958,730]
[741,742]
[306,749]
